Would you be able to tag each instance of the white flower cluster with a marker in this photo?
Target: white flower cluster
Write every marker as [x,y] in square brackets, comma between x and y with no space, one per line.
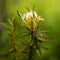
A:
[31,19]
[29,14]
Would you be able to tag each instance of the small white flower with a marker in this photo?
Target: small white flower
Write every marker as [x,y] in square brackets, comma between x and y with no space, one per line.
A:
[35,14]
[29,15]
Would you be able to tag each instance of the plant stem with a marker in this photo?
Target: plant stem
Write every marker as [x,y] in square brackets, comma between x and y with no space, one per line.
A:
[31,50]
[30,53]
[14,41]
[32,40]
[13,35]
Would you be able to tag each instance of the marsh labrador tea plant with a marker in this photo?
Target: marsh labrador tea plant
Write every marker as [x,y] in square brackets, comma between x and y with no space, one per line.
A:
[32,20]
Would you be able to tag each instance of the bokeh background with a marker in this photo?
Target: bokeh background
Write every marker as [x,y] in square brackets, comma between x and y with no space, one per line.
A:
[48,9]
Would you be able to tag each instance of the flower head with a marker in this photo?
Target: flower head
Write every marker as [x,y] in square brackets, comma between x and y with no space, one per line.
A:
[31,19]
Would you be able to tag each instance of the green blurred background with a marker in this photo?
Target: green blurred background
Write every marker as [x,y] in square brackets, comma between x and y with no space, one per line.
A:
[48,9]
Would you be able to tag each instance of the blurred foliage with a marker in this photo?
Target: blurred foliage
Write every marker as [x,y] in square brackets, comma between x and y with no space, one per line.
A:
[49,9]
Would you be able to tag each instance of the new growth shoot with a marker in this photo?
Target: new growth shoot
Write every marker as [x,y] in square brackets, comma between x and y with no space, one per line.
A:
[31,20]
